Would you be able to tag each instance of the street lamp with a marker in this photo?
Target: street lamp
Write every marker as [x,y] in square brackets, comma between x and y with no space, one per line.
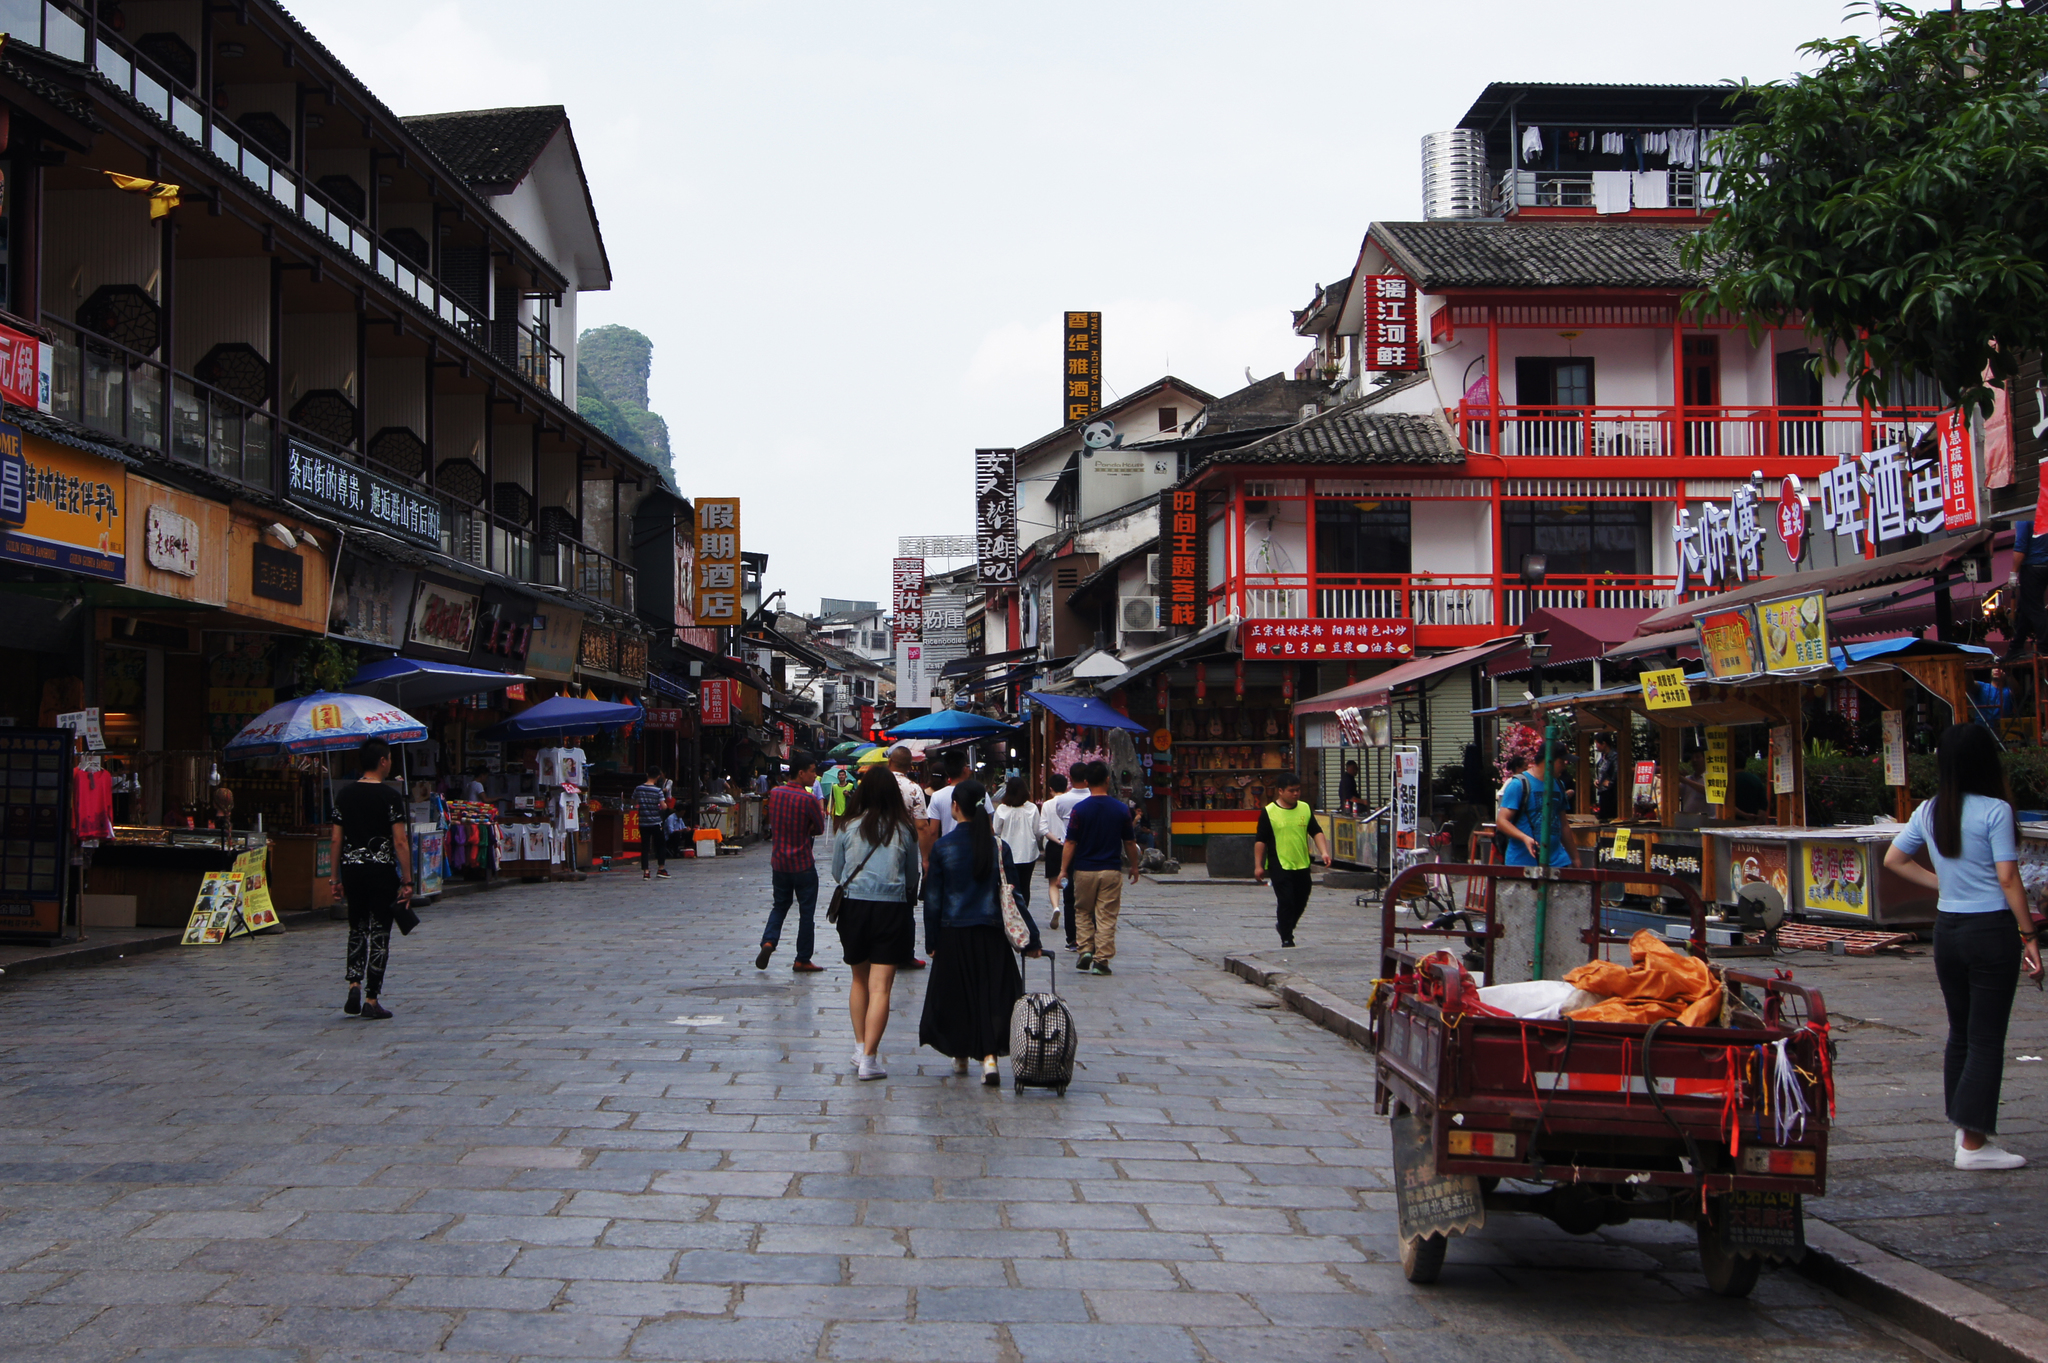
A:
[1539,654]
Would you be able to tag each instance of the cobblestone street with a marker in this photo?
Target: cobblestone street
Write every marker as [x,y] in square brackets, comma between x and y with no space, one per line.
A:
[595,1131]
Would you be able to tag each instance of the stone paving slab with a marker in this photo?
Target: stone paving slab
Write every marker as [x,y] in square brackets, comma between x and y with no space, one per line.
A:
[204,1159]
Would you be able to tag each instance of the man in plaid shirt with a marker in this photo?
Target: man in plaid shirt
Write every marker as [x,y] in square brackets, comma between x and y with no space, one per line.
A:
[795,820]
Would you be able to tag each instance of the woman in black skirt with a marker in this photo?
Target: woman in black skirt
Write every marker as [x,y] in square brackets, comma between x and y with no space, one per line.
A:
[874,856]
[974,980]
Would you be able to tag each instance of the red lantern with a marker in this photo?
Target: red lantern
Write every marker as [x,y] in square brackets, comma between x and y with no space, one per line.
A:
[1287,684]
[1351,674]
[1201,684]
[1162,693]
[1240,679]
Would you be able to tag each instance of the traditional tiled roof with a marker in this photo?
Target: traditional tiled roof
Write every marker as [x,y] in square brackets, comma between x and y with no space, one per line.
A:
[1455,254]
[490,147]
[1355,433]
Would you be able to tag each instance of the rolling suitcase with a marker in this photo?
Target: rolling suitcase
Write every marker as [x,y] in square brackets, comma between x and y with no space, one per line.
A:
[1042,1040]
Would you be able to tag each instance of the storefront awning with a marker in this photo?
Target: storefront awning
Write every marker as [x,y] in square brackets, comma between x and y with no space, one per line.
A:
[1213,639]
[1086,710]
[1574,635]
[562,715]
[961,667]
[1377,691]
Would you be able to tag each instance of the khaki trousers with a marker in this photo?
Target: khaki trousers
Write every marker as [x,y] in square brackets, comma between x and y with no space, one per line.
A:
[1098,899]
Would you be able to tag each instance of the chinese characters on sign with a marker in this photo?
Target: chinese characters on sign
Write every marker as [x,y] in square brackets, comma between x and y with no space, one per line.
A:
[1328,638]
[1407,805]
[1722,546]
[1794,632]
[995,516]
[276,575]
[1728,643]
[718,561]
[1081,379]
[1792,517]
[714,698]
[1183,549]
[1884,495]
[1390,341]
[906,597]
[1716,781]
[1893,725]
[442,618]
[337,485]
[1958,471]
[1666,690]
[20,363]
[61,508]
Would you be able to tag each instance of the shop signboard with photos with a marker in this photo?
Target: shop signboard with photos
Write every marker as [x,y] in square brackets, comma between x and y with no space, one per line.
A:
[1793,632]
[1728,643]
[718,562]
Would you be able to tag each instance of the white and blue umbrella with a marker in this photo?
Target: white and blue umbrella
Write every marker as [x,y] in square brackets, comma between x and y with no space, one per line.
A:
[323,722]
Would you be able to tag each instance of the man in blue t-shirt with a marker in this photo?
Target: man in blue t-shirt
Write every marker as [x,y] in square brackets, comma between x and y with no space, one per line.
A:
[1100,850]
[1520,815]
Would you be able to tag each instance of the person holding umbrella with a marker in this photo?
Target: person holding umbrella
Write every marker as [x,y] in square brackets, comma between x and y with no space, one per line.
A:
[372,859]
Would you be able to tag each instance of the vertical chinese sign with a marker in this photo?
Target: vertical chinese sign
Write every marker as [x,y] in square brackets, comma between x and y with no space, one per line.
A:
[995,517]
[1183,544]
[714,699]
[718,561]
[906,600]
[1390,341]
[1958,471]
[1081,383]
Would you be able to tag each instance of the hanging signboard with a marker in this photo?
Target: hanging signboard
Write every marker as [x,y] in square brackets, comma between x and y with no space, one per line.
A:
[554,643]
[1327,638]
[1958,471]
[1390,340]
[714,699]
[331,483]
[995,517]
[718,561]
[1407,804]
[1666,689]
[1893,723]
[1183,551]
[1081,376]
[1728,646]
[442,618]
[61,508]
[1716,775]
[21,370]
[906,598]
[1781,760]
[370,601]
[1793,632]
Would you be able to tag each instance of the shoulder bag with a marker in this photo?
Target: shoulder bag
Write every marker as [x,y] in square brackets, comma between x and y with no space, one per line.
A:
[839,890]
[1014,926]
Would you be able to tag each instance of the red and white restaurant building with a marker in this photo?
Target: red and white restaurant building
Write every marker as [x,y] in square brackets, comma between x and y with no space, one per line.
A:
[1523,426]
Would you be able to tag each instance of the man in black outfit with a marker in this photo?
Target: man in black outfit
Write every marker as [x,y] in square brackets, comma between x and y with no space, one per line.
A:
[373,870]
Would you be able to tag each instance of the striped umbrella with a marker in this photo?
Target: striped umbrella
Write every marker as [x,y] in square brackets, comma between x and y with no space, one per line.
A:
[323,722]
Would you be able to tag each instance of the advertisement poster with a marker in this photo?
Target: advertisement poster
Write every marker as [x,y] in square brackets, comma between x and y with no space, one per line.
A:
[1781,760]
[1894,723]
[258,912]
[61,508]
[1666,689]
[1728,646]
[1794,632]
[714,698]
[1643,792]
[1327,638]
[1716,780]
[1407,804]
[217,911]
[1836,878]
[1751,863]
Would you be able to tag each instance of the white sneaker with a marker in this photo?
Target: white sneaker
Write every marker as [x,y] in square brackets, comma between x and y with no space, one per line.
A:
[860,1054]
[1988,1156]
[959,1064]
[1055,919]
[871,1067]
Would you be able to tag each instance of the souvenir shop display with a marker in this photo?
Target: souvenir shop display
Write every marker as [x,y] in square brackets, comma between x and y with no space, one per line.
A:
[470,848]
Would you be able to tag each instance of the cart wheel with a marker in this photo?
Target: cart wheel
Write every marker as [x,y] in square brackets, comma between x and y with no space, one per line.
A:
[1728,1274]
[1423,1258]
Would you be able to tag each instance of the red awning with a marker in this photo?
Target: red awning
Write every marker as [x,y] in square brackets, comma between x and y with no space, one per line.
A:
[1377,691]
[1574,634]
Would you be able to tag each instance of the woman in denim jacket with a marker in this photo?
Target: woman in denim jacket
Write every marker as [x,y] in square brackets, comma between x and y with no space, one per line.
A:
[974,980]
[874,856]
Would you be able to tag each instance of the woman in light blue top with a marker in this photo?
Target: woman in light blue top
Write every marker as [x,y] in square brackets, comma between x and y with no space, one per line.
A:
[1968,831]
[875,858]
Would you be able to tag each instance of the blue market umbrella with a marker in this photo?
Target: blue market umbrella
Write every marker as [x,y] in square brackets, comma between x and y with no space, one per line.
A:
[562,715]
[947,724]
[423,683]
[325,721]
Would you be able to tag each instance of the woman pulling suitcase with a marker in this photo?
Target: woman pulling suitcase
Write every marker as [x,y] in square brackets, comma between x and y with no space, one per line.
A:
[974,981]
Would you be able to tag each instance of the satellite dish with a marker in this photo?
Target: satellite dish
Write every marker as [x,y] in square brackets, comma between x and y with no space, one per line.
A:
[1099,435]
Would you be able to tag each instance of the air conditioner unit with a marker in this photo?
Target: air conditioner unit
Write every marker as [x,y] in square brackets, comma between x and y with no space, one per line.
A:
[1151,570]
[1140,614]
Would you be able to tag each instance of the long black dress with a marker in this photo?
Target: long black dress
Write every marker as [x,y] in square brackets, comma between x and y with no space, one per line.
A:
[972,986]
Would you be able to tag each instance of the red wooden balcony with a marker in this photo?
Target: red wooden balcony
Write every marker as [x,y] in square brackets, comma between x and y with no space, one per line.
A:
[1602,432]
[1443,606]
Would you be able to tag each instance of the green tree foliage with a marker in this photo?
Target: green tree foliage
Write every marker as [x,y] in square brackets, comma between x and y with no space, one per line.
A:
[1896,199]
[612,364]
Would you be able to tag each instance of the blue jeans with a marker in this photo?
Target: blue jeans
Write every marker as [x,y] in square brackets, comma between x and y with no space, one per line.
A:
[803,886]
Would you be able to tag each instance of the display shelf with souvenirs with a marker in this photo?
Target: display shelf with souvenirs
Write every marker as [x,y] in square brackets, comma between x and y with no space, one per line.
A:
[527,844]
[469,844]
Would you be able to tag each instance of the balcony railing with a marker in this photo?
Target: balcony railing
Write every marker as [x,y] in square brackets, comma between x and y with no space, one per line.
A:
[1695,432]
[1574,189]
[1437,599]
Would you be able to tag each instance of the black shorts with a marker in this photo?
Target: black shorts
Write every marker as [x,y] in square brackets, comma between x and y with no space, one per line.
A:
[877,932]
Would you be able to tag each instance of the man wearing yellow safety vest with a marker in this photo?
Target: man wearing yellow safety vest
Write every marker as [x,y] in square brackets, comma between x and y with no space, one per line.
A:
[1286,829]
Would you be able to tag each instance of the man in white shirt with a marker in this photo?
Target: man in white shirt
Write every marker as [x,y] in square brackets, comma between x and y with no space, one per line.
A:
[942,820]
[1053,824]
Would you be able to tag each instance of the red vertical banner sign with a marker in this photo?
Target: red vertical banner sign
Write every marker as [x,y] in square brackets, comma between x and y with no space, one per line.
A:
[906,598]
[1958,471]
[1390,340]
[1183,542]
[715,699]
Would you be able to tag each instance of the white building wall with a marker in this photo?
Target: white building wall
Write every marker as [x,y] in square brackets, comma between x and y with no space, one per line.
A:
[1451,537]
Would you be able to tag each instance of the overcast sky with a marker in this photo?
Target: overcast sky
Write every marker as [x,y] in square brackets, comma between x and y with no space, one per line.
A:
[850,229]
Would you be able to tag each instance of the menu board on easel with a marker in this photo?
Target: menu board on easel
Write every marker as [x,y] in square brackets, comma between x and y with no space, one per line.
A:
[217,911]
[258,912]
[35,830]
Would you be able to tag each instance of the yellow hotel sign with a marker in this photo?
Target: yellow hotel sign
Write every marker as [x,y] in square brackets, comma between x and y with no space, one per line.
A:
[61,508]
